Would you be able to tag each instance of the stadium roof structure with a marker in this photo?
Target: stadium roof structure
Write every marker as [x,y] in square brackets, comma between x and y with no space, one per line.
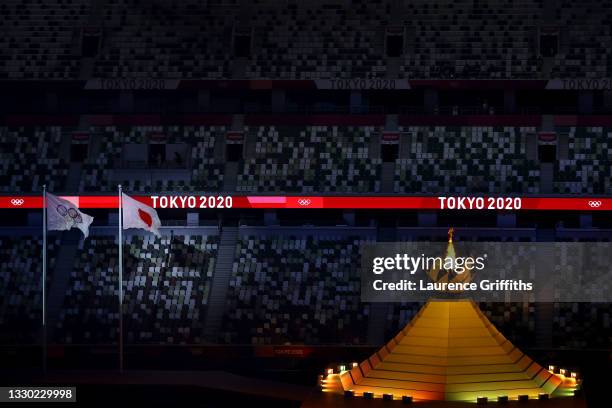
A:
[450,351]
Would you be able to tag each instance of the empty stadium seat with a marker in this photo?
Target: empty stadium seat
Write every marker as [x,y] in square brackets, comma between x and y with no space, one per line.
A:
[166,285]
[295,290]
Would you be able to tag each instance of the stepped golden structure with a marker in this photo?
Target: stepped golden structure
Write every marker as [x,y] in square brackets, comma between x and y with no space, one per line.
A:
[450,351]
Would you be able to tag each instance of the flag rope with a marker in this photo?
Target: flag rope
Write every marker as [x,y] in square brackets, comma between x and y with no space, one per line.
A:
[44,282]
[120,280]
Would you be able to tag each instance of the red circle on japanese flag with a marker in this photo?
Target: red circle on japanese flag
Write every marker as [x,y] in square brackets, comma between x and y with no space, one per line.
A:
[145,217]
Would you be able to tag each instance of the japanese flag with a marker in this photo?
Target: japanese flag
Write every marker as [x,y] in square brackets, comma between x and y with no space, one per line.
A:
[62,215]
[139,215]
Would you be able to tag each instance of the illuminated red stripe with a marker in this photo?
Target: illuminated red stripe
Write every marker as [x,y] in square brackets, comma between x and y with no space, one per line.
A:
[383,202]
[332,202]
[21,202]
[261,202]
[99,201]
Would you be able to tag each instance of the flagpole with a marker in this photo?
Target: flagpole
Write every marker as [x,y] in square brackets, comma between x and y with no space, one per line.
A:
[120,281]
[44,281]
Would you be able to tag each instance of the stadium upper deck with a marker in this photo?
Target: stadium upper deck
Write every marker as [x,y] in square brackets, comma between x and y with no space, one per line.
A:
[302,159]
[231,39]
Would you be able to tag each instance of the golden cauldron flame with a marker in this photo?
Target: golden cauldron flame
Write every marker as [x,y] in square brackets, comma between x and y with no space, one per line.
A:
[444,275]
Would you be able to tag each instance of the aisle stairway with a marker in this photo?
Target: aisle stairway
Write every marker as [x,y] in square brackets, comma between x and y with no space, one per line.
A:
[376,323]
[74,177]
[544,311]
[230,177]
[387,178]
[61,276]
[387,232]
[218,290]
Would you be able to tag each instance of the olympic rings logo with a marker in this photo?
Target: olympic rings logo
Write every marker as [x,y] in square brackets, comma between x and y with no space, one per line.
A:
[595,204]
[17,201]
[304,201]
[72,213]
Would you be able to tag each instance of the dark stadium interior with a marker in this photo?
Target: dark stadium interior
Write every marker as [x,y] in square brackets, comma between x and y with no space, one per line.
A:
[352,100]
